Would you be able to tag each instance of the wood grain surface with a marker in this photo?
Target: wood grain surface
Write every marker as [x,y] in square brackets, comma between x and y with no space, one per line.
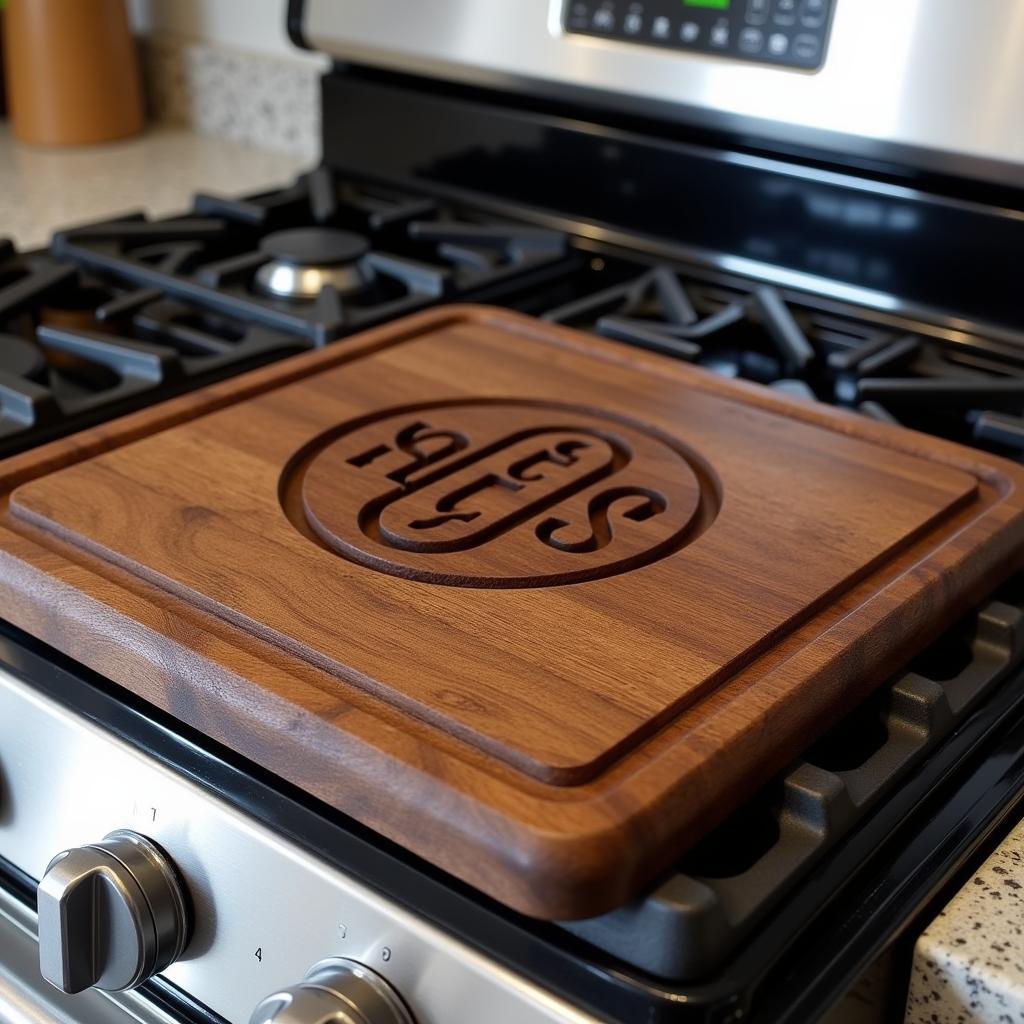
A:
[537,606]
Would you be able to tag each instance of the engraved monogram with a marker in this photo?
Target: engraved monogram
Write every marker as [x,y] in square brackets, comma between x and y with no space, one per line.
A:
[499,494]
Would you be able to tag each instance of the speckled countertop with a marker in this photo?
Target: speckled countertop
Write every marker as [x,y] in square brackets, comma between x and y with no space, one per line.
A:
[969,963]
[157,172]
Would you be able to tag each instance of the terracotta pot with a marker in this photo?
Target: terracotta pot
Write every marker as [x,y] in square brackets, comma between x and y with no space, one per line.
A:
[72,71]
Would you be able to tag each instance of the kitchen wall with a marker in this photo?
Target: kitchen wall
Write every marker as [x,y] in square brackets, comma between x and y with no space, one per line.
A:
[253,25]
[227,68]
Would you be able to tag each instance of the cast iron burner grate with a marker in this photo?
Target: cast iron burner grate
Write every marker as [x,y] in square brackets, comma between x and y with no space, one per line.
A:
[75,350]
[403,254]
[967,389]
[689,924]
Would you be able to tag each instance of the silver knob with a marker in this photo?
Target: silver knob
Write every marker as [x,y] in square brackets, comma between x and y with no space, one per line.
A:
[335,992]
[111,915]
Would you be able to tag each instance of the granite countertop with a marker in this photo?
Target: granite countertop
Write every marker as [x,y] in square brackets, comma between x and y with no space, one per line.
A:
[157,172]
[969,962]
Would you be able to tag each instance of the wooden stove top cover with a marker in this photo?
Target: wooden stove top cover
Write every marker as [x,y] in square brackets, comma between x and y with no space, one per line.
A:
[536,606]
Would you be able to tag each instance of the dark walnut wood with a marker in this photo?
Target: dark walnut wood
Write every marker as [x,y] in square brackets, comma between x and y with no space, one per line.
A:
[536,606]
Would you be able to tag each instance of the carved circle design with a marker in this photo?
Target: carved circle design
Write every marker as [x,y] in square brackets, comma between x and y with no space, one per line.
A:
[499,493]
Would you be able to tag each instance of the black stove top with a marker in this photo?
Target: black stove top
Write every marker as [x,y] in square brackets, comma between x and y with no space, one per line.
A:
[126,312]
[970,389]
[76,349]
[319,259]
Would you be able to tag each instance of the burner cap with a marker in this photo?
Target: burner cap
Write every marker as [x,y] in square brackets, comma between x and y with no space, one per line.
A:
[315,246]
[305,260]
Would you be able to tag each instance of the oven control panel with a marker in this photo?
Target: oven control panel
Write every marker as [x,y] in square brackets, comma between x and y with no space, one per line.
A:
[791,33]
[145,872]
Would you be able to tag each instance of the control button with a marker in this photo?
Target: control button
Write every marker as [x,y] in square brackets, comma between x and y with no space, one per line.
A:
[604,19]
[578,16]
[661,28]
[751,40]
[720,33]
[335,992]
[689,32]
[785,12]
[778,44]
[111,915]
[757,11]
[806,47]
[812,13]
[633,24]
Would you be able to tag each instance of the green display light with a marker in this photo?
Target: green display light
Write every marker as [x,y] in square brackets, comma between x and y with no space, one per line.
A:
[718,5]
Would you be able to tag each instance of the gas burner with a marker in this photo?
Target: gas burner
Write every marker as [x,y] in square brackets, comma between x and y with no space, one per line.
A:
[321,258]
[971,390]
[75,350]
[305,260]
[328,256]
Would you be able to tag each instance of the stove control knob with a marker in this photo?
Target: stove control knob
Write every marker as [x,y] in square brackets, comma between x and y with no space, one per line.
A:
[111,915]
[335,992]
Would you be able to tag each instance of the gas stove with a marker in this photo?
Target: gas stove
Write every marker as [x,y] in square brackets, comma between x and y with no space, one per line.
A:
[119,314]
[845,269]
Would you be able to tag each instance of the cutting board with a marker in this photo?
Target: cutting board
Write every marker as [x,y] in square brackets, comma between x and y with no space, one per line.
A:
[538,607]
